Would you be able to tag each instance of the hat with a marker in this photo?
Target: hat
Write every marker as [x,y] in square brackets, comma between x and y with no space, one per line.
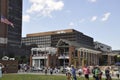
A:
[72,66]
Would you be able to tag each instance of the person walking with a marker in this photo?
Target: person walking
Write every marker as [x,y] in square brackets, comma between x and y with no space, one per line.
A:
[118,74]
[93,72]
[86,72]
[51,71]
[107,73]
[100,74]
[97,74]
[80,72]
[68,74]
[73,71]
[46,71]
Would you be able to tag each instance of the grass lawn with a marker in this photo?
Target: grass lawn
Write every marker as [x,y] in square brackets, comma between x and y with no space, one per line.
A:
[34,77]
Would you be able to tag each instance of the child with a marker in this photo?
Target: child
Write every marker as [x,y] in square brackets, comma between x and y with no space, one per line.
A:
[117,74]
[69,76]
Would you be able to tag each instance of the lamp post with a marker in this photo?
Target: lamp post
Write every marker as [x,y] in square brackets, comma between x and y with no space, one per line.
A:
[64,60]
[118,56]
[45,54]
[46,60]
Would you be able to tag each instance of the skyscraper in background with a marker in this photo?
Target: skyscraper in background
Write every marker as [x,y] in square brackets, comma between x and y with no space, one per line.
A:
[10,37]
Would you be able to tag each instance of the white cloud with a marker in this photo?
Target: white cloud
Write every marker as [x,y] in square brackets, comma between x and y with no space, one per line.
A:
[68,11]
[92,1]
[26,18]
[71,24]
[94,18]
[82,20]
[45,7]
[106,16]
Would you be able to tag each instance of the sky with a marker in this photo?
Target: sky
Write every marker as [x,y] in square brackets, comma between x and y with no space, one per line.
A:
[99,19]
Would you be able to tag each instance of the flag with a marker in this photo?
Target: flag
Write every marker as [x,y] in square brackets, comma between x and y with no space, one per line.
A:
[6,21]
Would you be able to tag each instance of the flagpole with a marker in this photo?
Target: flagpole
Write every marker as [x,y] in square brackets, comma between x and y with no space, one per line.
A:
[7,38]
[6,24]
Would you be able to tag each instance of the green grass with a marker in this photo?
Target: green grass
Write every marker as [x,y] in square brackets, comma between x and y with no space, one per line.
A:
[34,77]
[31,77]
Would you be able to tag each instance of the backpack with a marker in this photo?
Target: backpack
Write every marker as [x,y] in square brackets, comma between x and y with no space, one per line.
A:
[93,71]
[97,71]
[107,72]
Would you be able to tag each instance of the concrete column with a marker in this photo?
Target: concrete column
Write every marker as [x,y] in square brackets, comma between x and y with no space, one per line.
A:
[85,55]
[89,58]
[78,57]
[82,53]
[49,61]
[39,63]
[32,52]
[57,54]
[109,59]
[83,59]
[71,54]
[37,52]
[94,59]
[31,60]
[97,59]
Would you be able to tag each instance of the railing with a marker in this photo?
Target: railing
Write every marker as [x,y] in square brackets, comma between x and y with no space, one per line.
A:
[39,55]
[63,56]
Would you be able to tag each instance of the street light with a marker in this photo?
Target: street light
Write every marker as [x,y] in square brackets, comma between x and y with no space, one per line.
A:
[45,56]
[64,61]
[64,57]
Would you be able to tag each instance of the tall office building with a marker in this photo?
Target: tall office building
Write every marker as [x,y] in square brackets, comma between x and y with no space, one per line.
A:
[51,38]
[10,37]
[67,42]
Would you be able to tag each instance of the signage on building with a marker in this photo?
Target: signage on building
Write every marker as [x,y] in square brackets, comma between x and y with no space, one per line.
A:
[7,58]
[60,32]
[3,40]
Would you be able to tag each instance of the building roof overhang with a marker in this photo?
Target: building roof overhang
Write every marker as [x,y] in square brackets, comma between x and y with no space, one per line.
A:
[47,49]
[89,50]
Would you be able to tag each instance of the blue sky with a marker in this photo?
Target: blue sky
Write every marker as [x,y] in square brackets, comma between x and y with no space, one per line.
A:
[99,19]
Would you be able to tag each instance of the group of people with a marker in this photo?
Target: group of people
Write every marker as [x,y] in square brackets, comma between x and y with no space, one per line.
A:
[73,73]
[50,70]
[96,72]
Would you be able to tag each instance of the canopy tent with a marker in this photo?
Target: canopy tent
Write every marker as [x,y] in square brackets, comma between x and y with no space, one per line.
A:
[117,63]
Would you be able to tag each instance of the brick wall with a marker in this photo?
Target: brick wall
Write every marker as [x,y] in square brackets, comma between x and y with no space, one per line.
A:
[10,66]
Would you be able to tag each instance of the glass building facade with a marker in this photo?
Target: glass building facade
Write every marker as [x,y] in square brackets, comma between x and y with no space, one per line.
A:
[12,10]
[50,39]
[41,41]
